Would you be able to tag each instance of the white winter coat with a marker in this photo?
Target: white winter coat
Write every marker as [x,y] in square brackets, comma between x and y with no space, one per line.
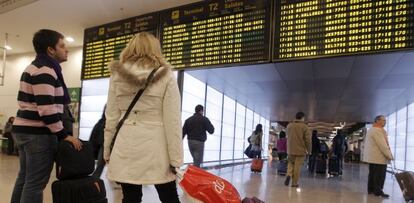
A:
[151,138]
[376,149]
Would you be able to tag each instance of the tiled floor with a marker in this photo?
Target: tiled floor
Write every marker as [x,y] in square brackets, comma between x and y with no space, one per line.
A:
[267,185]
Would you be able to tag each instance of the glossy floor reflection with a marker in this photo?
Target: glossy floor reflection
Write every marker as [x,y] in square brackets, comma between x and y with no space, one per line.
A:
[350,188]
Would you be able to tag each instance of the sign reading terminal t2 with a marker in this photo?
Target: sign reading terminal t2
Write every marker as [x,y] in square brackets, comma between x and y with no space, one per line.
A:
[216,33]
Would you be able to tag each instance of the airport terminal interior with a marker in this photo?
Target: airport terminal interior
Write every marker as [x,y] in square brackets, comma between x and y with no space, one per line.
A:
[248,62]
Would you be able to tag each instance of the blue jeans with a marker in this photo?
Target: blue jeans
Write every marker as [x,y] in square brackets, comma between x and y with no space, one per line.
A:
[36,154]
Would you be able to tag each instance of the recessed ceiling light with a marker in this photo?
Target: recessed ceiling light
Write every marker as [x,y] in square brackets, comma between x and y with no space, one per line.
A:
[8,47]
[70,39]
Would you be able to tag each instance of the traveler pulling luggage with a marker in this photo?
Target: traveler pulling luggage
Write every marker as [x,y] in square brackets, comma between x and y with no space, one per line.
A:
[405,180]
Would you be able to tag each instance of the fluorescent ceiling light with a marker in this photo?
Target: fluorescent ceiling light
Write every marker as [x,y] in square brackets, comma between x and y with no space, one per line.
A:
[69,39]
[8,47]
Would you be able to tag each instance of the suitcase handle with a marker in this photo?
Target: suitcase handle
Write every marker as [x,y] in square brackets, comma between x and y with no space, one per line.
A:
[393,167]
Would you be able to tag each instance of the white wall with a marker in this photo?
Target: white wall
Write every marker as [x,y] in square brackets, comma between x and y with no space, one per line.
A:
[15,64]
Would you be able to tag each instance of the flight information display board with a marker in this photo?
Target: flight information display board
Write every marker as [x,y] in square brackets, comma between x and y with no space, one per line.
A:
[104,43]
[320,28]
[212,33]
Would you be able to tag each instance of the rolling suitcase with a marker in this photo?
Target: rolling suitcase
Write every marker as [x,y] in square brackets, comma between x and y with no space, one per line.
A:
[333,167]
[84,190]
[321,164]
[282,167]
[257,165]
[405,180]
[71,163]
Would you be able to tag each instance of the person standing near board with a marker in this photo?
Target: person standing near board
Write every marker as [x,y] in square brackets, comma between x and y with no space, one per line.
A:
[148,147]
[40,119]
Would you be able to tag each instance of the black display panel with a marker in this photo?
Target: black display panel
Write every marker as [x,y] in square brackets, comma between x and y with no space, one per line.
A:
[306,29]
[216,33]
[104,43]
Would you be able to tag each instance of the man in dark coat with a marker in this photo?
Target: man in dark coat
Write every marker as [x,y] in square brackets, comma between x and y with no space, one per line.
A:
[195,127]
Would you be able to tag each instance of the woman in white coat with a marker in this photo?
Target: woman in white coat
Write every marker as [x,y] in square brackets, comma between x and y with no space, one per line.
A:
[149,144]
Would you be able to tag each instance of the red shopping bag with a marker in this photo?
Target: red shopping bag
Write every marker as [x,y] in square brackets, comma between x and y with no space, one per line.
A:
[206,187]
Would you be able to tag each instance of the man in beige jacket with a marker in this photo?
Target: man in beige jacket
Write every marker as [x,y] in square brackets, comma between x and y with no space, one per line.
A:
[378,154]
[298,146]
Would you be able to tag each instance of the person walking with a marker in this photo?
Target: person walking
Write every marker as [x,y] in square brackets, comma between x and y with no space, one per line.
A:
[282,146]
[256,141]
[298,146]
[316,145]
[195,127]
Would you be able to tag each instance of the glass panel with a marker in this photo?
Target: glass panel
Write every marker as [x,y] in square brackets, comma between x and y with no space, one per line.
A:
[239,139]
[249,127]
[193,94]
[229,114]
[93,100]
[213,112]
[400,138]
[391,131]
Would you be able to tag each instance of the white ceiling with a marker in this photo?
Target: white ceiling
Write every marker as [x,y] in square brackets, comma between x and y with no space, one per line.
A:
[71,17]
[352,89]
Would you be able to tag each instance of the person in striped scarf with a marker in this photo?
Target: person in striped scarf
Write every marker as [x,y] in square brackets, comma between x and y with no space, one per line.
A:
[41,114]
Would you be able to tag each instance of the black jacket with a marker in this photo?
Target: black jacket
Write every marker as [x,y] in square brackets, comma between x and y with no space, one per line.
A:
[316,144]
[196,126]
[339,145]
[97,136]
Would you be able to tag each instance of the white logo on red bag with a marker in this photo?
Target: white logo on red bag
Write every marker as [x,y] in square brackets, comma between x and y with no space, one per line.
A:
[219,185]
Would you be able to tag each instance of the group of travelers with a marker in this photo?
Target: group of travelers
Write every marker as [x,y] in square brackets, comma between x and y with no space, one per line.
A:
[148,148]
[301,144]
[152,157]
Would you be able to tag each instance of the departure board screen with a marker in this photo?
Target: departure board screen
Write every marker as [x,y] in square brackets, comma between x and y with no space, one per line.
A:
[320,28]
[104,43]
[212,33]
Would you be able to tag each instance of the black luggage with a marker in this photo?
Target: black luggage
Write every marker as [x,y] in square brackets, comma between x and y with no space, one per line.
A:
[71,164]
[406,181]
[320,164]
[85,190]
[282,167]
[333,168]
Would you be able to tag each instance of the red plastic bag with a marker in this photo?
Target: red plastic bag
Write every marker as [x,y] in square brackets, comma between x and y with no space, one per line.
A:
[206,187]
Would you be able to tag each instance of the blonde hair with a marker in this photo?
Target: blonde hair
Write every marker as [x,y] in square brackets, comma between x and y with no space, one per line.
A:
[145,50]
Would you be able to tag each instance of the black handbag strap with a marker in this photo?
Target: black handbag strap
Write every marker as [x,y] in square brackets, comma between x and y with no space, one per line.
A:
[131,106]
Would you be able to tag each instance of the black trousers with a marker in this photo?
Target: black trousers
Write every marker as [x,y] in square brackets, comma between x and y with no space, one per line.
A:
[167,193]
[376,178]
[10,146]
